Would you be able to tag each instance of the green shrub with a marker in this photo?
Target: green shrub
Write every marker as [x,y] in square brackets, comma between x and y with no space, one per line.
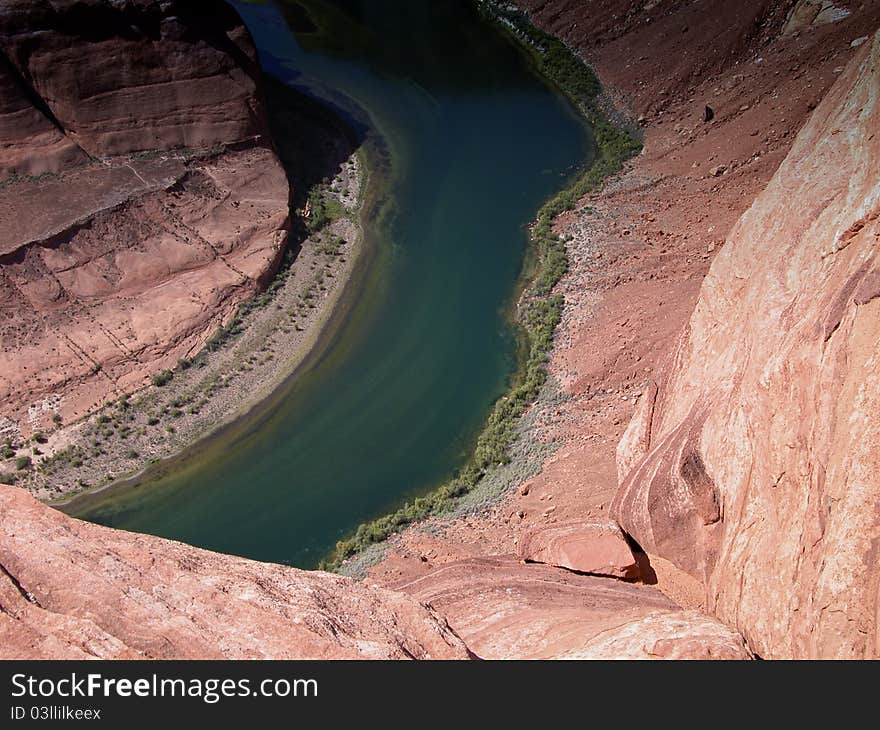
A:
[324,209]
[162,379]
[331,246]
[23,462]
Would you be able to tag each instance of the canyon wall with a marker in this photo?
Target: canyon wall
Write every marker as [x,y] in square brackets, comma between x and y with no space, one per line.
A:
[140,197]
[749,467]
[754,463]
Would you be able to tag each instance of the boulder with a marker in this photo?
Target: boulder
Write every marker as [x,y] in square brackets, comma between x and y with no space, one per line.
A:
[597,547]
[504,609]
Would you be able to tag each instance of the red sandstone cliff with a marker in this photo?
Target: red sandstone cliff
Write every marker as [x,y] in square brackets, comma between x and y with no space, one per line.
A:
[754,466]
[751,459]
[140,200]
[70,589]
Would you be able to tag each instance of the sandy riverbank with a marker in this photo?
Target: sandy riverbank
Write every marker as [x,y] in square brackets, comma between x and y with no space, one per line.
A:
[241,365]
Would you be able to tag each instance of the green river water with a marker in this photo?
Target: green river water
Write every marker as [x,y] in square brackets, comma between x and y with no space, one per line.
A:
[476,142]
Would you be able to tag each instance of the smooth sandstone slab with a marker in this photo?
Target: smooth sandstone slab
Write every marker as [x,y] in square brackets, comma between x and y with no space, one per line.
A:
[504,609]
[755,463]
[73,590]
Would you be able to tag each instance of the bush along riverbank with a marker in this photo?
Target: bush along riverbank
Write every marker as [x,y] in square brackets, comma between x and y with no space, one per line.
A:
[538,310]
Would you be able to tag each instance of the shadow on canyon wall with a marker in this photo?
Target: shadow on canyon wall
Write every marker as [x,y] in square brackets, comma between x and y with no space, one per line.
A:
[325,138]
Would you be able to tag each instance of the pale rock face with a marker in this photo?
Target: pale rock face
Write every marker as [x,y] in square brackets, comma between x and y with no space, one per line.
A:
[756,466]
[675,635]
[810,13]
[73,590]
[504,609]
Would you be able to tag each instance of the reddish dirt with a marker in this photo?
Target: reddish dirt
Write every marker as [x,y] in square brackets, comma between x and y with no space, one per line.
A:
[641,248]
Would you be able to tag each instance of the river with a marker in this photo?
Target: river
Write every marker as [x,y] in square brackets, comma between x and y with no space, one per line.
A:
[476,142]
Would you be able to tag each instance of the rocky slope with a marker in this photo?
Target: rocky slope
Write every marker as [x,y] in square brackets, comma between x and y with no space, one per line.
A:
[754,464]
[639,252]
[69,589]
[140,199]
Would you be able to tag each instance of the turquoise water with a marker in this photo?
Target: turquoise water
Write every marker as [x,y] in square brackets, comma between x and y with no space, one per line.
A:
[476,143]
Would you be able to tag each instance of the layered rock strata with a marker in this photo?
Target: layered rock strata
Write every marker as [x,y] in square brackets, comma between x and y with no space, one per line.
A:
[73,590]
[140,199]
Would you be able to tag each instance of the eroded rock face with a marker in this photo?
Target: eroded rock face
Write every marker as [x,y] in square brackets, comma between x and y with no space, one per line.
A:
[73,590]
[755,468]
[30,144]
[122,77]
[160,203]
[504,609]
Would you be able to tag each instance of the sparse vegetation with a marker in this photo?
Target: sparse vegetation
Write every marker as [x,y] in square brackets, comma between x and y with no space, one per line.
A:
[541,310]
[163,378]
[187,399]
[324,209]
[23,463]
[331,246]
[224,333]
[67,456]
